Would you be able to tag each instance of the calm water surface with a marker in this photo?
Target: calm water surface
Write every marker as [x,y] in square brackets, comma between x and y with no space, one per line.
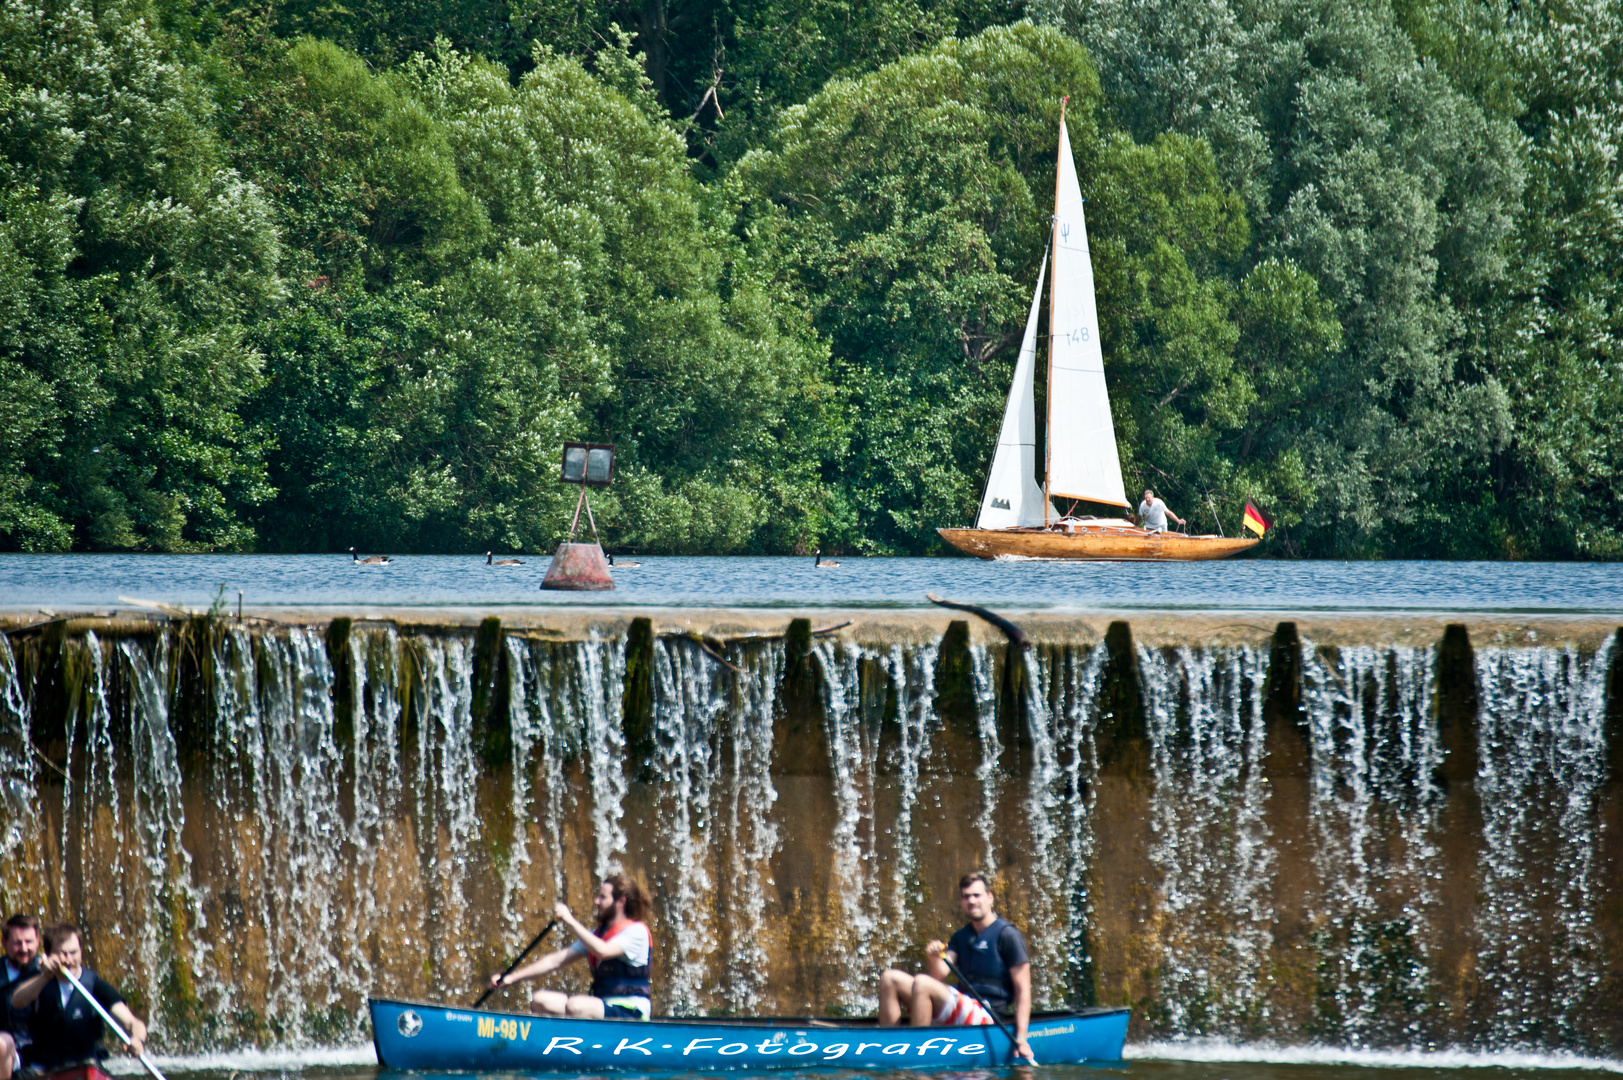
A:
[1219,1061]
[98,581]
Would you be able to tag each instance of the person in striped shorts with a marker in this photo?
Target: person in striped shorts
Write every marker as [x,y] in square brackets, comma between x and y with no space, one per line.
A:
[989,952]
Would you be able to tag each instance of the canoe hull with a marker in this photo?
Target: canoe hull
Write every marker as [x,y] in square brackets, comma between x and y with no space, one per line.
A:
[417,1036]
[1099,544]
[83,1071]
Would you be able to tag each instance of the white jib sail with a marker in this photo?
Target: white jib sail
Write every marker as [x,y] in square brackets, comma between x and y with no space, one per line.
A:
[1013,496]
[1082,461]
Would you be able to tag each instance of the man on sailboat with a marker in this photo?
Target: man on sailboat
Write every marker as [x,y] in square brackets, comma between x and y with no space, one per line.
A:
[1081,460]
[617,950]
[1153,513]
[991,954]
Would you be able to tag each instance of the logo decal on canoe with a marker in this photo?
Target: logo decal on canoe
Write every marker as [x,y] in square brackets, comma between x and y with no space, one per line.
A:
[410,1023]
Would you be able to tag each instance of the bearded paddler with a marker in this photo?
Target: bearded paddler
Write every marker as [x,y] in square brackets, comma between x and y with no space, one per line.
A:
[21,962]
[618,951]
[991,956]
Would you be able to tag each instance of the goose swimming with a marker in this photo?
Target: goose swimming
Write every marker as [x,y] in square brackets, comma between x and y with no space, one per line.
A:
[370,560]
[502,562]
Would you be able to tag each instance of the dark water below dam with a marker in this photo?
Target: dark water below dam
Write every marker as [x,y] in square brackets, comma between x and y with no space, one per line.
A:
[1207,1063]
[1378,840]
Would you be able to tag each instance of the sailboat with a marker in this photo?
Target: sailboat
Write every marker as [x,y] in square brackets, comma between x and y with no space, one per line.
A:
[1017,518]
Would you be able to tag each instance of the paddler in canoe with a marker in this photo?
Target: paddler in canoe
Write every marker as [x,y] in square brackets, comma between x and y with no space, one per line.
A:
[990,954]
[21,962]
[617,950]
[65,1028]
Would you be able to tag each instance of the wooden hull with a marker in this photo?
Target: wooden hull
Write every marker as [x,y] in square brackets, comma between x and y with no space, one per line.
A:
[1099,544]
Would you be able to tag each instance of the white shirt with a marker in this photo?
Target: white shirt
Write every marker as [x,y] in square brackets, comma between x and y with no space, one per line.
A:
[633,939]
[1154,513]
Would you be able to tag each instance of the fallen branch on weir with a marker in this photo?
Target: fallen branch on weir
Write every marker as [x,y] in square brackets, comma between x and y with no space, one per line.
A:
[1016,635]
[712,646]
[771,635]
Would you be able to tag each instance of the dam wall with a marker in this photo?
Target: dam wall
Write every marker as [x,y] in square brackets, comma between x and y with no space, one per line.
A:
[1393,832]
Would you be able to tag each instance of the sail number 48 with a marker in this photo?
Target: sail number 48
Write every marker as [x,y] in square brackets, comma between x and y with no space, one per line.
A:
[492,1028]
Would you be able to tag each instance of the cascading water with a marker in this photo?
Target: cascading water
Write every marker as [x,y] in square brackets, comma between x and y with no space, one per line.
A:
[750,832]
[1543,763]
[854,843]
[1204,713]
[989,773]
[260,827]
[1060,787]
[690,713]
[1374,810]
[880,715]
[16,777]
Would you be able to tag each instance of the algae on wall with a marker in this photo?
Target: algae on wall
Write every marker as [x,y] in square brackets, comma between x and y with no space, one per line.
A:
[260,825]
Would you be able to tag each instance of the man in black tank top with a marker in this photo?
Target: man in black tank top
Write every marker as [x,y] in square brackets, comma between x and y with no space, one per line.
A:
[991,954]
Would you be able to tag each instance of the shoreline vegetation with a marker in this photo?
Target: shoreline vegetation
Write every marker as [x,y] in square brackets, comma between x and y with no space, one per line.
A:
[295,277]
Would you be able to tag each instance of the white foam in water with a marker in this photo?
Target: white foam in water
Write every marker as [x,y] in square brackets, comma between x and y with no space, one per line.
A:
[315,1057]
[1219,1050]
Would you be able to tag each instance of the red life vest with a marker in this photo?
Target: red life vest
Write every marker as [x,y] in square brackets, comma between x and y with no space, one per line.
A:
[615,976]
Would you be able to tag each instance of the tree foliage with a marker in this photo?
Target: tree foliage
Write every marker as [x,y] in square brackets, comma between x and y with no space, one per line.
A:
[303,276]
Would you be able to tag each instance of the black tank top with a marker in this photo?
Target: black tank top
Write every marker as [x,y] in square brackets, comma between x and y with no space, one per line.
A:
[981,958]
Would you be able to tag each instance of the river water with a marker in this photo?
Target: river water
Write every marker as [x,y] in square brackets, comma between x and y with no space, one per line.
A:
[1155,1061]
[99,581]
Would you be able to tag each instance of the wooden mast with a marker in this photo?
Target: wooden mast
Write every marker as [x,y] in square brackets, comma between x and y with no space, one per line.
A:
[1048,394]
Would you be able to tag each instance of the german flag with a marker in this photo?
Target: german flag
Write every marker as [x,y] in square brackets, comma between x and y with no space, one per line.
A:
[1255,519]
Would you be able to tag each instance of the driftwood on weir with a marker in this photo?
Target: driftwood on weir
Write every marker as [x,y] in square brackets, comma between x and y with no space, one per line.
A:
[1015,635]
[717,647]
[818,631]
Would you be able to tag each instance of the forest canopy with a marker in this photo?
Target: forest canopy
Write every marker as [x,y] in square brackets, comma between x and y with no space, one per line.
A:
[297,276]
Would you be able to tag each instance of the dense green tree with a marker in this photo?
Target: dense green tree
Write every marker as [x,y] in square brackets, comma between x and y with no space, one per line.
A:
[916,201]
[1554,333]
[725,68]
[498,268]
[135,257]
[1370,170]
[304,275]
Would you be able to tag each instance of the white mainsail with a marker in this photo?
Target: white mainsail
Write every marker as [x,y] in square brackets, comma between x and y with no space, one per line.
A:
[1082,461]
[1012,496]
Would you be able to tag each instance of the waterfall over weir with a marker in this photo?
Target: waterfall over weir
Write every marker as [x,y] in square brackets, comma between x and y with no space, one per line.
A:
[1364,845]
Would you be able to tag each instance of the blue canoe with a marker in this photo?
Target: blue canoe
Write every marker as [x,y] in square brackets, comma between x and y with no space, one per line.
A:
[413,1035]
